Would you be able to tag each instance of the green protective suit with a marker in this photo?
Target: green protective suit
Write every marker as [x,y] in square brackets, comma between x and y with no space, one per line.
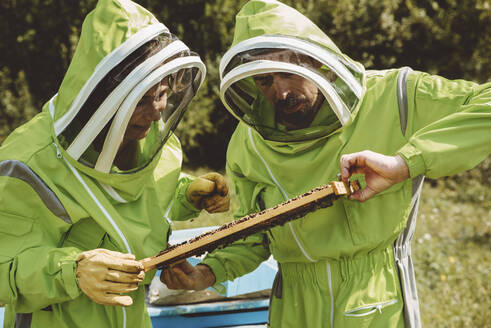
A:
[52,207]
[337,264]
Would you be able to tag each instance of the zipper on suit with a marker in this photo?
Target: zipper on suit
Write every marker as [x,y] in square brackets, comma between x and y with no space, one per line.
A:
[104,211]
[331,295]
[372,309]
[293,231]
[304,252]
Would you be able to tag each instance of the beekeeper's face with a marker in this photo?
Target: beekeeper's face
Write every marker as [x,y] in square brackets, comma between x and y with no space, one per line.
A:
[295,99]
[147,111]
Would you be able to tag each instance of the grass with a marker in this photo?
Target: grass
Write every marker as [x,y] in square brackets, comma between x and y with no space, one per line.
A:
[451,248]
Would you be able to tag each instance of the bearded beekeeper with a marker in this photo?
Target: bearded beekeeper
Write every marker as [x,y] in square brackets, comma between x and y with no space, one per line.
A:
[308,112]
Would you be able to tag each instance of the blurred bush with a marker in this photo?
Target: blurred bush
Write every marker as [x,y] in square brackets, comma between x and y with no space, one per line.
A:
[15,102]
[447,37]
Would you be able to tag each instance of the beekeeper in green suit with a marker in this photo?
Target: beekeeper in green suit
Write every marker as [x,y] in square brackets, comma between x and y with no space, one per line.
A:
[308,112]
[87,185]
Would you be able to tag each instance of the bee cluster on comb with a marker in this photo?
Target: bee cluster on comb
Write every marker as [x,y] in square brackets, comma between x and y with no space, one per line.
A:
[289,210]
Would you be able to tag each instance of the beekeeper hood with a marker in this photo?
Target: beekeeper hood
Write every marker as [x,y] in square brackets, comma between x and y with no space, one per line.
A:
[125,59]
[272,39]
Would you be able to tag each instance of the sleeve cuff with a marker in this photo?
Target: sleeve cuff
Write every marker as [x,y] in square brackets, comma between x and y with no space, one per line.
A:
[217,268]
[414,160]
[183,199]
[184,209]
[68,274]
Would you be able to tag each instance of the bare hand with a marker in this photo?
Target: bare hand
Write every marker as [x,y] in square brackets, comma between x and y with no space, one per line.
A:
[103,275]
[209,192]
[185,276]
[381,172]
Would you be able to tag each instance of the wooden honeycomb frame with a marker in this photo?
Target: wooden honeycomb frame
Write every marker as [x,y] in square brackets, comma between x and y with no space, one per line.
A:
[292,209]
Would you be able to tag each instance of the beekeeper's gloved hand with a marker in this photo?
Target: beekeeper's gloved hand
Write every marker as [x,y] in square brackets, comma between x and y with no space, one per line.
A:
[103,275]
[209,192]
[185,276]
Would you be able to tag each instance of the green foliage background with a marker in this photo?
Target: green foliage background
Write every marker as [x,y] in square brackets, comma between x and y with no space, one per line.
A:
[37,38]
[451,38]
